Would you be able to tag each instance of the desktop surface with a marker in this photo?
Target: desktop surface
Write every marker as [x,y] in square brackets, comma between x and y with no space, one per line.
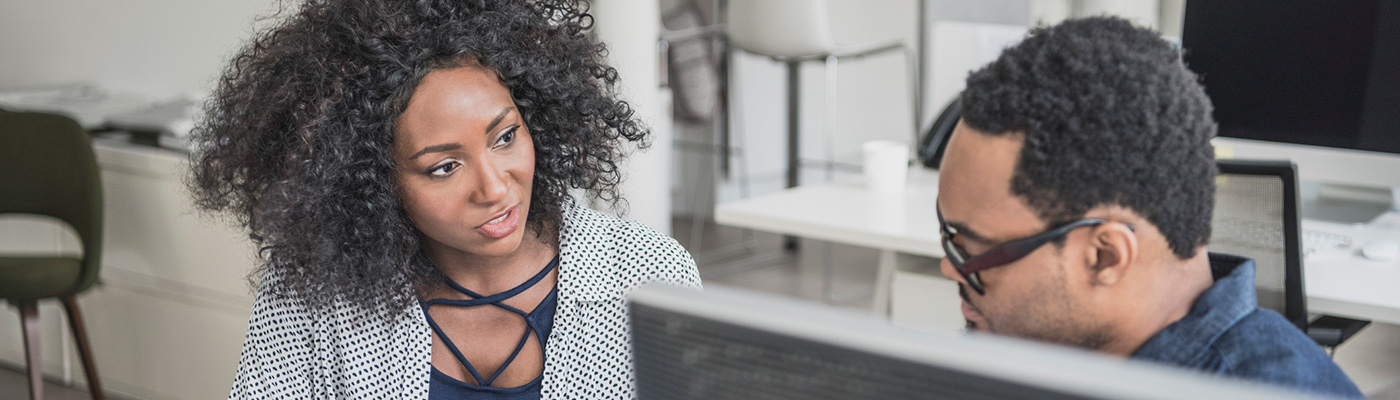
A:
[1343,281]
[845,211]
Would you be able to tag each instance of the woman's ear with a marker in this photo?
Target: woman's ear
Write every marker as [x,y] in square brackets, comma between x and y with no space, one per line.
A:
[1115,250]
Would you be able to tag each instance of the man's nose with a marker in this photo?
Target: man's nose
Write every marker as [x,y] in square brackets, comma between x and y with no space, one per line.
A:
[946,267]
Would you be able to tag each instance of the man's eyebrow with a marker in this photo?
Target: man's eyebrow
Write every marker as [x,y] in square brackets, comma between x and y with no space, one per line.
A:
[498,119]
[970,234]
[437,148]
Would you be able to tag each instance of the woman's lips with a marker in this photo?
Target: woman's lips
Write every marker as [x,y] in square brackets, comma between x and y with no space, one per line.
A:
[503,224]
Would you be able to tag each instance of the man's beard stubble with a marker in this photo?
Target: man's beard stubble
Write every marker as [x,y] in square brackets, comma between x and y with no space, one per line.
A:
[1065,330]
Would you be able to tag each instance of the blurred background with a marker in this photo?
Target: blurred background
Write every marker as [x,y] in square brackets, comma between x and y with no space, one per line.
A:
[737,113]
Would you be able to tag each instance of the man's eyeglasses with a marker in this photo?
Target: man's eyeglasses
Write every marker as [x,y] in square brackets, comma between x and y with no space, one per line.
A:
[1005,253]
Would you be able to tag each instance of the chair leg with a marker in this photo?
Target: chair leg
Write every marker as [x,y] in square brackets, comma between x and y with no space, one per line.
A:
[75,321]
[794,166]
[29,314]
[915,60]
[828,107]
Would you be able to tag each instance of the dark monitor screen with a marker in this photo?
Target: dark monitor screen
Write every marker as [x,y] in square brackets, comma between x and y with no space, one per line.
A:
[1313,72]
[728,343]
[726,361]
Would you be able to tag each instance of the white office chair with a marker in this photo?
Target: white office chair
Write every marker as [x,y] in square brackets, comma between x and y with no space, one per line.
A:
[791,29]
[794,31]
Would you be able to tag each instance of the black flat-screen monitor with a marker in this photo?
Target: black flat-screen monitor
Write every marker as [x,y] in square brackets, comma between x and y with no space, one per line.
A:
[729,343]
[1310,72]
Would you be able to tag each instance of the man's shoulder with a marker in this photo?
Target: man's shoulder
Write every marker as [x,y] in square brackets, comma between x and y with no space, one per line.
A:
[1263,346]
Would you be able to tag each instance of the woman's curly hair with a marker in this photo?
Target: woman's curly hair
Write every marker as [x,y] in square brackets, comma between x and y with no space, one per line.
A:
[296,144]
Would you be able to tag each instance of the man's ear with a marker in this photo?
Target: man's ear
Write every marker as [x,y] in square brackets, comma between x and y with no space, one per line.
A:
[1114,251]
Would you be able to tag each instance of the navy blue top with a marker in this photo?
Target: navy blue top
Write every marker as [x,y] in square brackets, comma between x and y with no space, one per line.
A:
[538,322]
[1226,333]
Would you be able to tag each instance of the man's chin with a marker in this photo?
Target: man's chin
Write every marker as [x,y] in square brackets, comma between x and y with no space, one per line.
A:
[980,326]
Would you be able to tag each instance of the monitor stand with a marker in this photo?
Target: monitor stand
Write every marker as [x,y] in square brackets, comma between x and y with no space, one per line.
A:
[1346,204]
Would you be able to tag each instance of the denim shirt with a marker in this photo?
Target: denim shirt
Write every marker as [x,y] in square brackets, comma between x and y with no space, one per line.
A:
[1226,333]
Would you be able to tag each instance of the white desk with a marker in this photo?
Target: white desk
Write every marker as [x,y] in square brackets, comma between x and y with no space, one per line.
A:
[89,106]
[905,224]
[1344,283]
[95,108]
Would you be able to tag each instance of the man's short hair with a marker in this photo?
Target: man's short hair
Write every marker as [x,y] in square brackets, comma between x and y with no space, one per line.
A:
[1110,116]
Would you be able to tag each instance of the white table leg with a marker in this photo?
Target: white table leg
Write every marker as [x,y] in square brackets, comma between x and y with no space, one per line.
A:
[884,277]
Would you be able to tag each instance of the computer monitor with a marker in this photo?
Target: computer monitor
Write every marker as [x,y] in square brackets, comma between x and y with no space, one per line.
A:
[728,343]
[1314,81]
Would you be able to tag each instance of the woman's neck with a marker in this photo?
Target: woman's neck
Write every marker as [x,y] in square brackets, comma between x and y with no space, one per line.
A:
[494,274]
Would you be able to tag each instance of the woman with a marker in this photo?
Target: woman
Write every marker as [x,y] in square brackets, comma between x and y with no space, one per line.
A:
[405,167]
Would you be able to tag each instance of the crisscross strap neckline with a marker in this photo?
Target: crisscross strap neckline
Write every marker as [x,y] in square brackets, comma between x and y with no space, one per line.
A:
[495,300]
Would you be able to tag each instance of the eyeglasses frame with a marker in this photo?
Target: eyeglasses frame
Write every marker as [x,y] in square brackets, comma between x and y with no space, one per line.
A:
[1001,254]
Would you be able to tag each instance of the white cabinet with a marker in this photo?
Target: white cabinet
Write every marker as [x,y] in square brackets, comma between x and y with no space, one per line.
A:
[168,316]
[922,299]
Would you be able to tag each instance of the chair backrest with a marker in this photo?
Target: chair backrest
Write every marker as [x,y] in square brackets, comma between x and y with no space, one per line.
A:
[781,28]
[47,167]
[1256,216]
[935,139]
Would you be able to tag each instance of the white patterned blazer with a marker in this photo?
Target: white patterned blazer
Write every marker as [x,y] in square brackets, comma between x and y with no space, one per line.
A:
[344,353]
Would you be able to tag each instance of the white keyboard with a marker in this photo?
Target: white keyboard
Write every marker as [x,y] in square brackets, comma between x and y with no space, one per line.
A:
[1318,241]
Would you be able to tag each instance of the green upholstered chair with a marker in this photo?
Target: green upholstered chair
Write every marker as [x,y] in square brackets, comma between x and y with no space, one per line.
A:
[47,167]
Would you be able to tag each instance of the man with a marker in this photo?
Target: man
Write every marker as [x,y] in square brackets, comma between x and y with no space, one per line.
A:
[1076,196]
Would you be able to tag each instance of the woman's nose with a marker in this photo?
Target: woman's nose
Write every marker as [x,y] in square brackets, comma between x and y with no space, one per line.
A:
[492,184]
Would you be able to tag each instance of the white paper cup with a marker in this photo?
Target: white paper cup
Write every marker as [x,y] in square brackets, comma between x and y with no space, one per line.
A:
[886,164]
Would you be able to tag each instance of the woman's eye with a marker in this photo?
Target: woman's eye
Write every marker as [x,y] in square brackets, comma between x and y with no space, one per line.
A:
[444,169]
[508,137]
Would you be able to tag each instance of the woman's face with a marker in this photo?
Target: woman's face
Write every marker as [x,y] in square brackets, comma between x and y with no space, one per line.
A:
[465,163]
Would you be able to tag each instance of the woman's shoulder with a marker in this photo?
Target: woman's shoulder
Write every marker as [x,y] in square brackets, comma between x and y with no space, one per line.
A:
[281,308]
[295,350]
[633,251]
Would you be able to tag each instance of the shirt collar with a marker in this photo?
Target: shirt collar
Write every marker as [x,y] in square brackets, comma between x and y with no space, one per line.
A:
[1227,301]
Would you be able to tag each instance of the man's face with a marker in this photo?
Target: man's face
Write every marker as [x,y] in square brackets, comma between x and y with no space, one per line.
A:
[1040,296]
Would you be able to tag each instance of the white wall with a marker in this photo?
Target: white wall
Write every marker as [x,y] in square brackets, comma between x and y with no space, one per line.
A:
[629,28]
[151,47]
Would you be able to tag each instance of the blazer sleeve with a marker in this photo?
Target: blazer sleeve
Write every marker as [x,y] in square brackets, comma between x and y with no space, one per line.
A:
[657,257]
[276,361]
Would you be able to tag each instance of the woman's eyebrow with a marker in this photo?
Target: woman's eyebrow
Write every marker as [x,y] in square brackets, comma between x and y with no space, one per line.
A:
[498,119]
[437,148]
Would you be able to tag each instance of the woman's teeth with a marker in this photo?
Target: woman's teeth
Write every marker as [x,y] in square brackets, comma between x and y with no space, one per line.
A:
[498,219]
